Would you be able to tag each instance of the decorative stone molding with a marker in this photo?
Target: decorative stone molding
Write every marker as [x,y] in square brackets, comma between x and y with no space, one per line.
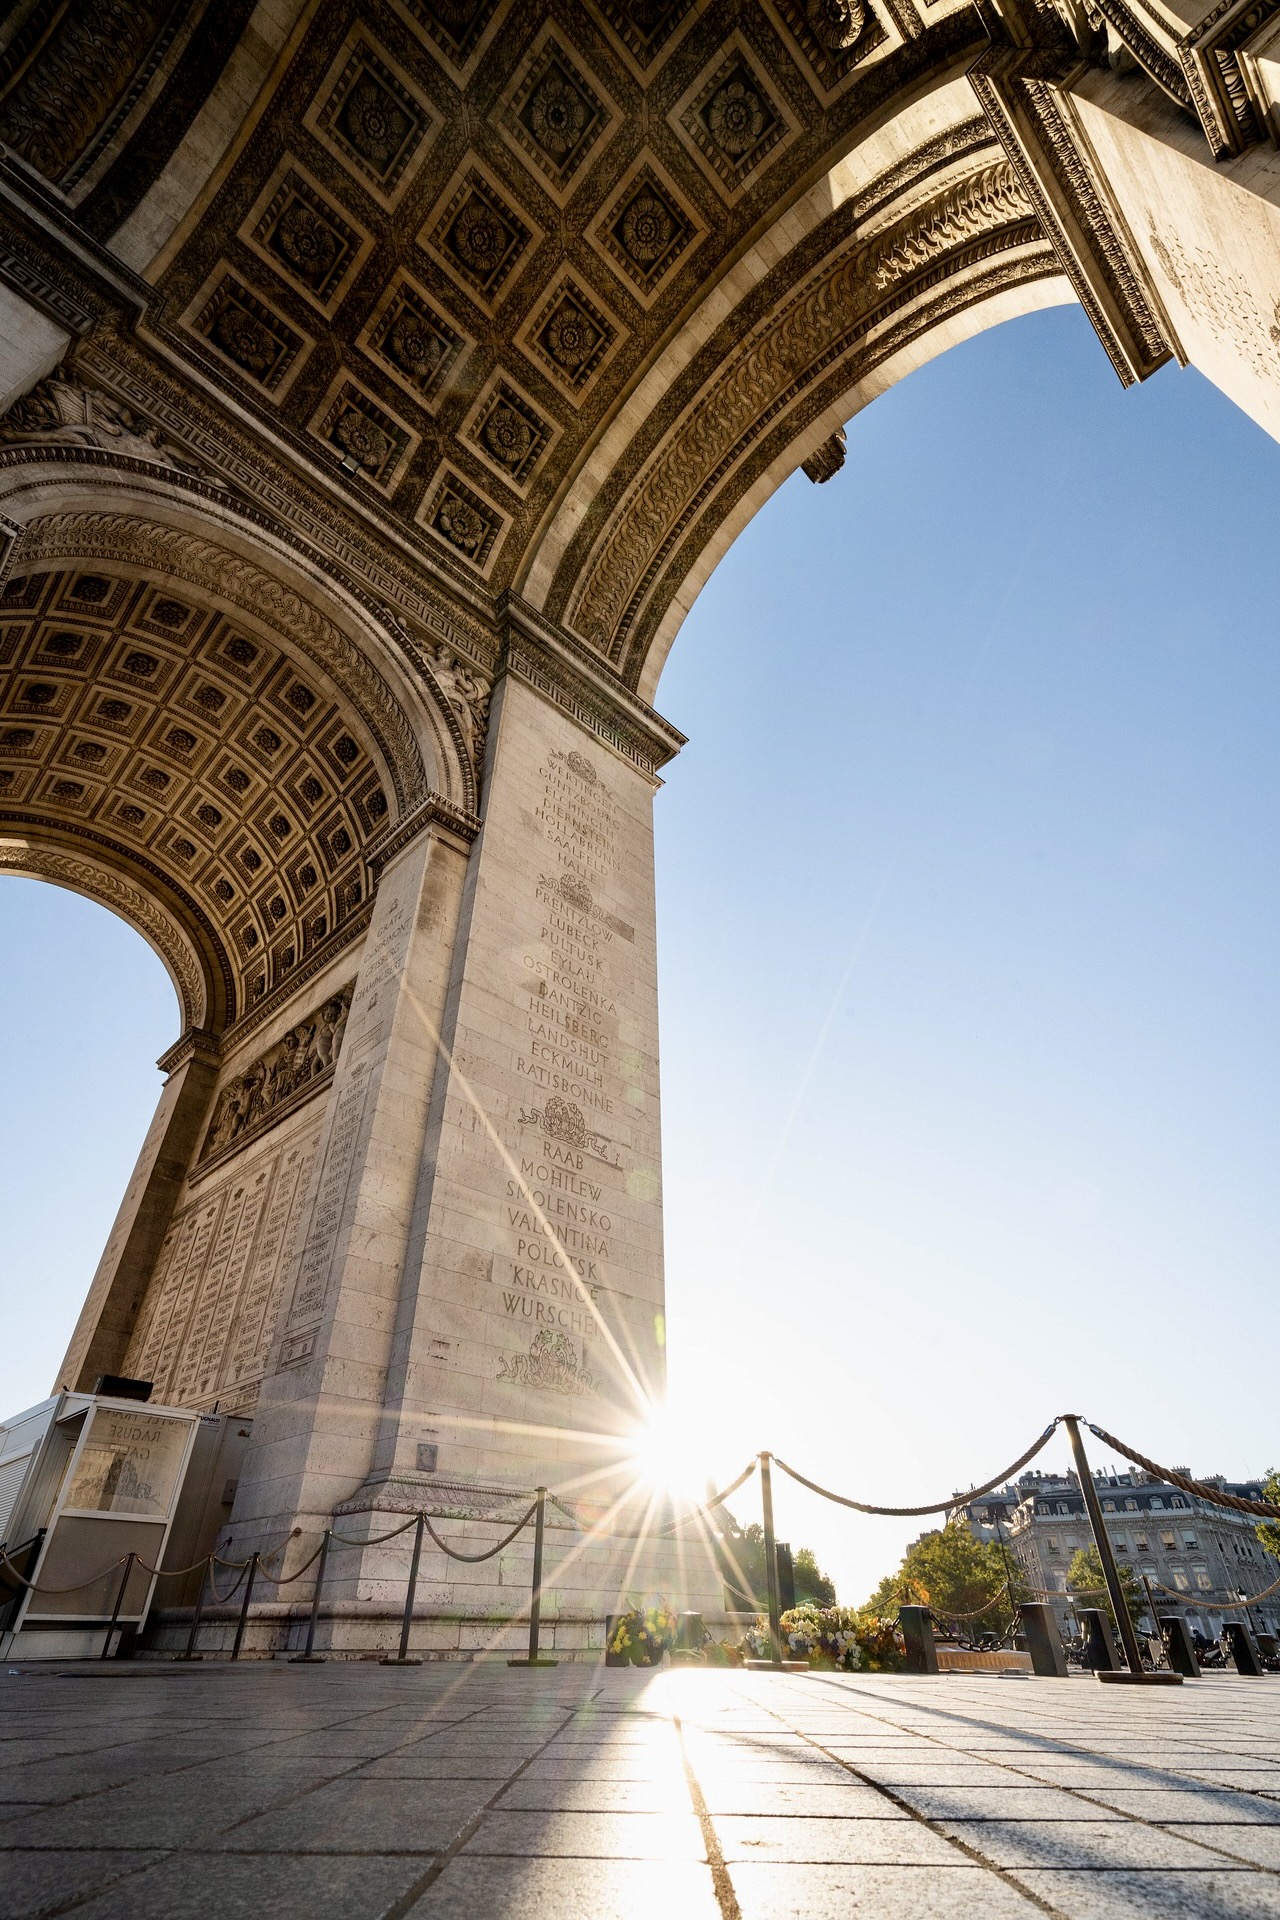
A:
[62,411]
[290,1072]
[788,349]
[289,503]
[139,909]
[1018,89]
[826,463]
[562,669]
[433,812]
[194,1043]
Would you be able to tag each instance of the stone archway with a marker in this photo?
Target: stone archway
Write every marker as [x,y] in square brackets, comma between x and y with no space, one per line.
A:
[397,420]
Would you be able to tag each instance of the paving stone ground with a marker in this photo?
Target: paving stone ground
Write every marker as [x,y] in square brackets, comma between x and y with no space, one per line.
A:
[368,1793]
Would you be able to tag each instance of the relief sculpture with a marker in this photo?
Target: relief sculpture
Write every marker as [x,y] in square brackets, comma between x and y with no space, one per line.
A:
[295,1066]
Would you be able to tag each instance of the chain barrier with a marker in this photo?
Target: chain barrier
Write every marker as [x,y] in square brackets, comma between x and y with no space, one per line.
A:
[938,1506]
[716,1500]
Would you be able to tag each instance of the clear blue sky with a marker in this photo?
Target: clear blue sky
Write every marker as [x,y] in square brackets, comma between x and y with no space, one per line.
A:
[969,910]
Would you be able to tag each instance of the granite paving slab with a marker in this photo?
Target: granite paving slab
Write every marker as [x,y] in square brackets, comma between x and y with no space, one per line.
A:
[581,1793]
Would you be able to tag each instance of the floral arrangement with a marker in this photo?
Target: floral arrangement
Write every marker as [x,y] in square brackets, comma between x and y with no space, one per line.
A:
[643,1635]
[832,1639]
[824,1636]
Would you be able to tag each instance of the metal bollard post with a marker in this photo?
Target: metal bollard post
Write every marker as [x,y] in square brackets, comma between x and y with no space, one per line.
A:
[308,1654]
[115,1613]
[1044,1643]
[191,1653]
[1179,1646]
[533,1658]
[244,1611]
[1244,1653]
[917,1633]
[1104,1655]
[771,1559]
[404,1658]
[1110,1573]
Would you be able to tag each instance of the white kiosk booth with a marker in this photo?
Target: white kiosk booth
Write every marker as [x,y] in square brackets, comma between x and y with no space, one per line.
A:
[89,1487]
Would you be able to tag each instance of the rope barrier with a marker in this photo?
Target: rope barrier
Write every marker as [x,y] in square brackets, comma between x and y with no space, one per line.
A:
[258,1563]
[79,1587]
[474,1558]
[716,1500]
[375,1540]
[938,1506]
[1214,1495]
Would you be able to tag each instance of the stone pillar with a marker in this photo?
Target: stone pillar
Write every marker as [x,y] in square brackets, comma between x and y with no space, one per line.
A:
[1205,231]
[107,1319]
[529,1341]
[532,1318]
[318,1413]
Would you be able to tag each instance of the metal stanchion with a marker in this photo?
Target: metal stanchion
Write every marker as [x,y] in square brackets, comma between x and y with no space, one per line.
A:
[404,1658]
[115,1613]
[308,1653]
[244,1611]
[1110,1573]
[771,1559]
[191,1653]
[533,1659]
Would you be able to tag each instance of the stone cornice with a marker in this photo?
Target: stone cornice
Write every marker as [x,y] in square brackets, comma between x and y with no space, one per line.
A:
[455,826]
[1021,90]
[560,666]
[196,1043]
[46,257]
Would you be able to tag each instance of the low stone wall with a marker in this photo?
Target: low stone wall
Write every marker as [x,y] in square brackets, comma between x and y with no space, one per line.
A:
[347,1632]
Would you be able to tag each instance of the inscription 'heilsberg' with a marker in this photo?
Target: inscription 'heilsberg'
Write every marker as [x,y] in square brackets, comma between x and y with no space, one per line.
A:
[558,1222]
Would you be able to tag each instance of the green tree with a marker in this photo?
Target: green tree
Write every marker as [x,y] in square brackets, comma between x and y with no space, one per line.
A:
[954,1574]
[1268,1531]
[811,1582]
[1084,1576]
[742,1567]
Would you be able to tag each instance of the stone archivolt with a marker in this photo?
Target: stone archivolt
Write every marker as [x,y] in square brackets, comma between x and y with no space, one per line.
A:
[139,908]
[749,386]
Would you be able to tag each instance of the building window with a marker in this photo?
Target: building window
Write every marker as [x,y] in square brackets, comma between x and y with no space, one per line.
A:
[1131,1506]
[1203,1581]
[1169,1541]
[1140,1543]
[1189,1540]
[1156,1503]
[1177,1501]
[1062,1508]
[1051,1543]
[1108,1506]
[1181,1581]
[1119,1543]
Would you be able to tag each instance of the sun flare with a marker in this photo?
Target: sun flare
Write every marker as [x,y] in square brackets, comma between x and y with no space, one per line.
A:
[670,1456]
